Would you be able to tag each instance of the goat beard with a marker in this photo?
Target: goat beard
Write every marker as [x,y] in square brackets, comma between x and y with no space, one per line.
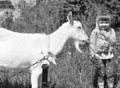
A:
[77,43]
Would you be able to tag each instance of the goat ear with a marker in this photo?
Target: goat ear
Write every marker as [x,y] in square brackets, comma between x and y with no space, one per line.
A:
[70,18]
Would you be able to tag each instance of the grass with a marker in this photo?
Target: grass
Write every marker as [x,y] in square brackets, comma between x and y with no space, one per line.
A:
[18,81]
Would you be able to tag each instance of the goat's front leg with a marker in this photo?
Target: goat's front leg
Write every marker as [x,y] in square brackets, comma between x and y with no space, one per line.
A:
[34,76]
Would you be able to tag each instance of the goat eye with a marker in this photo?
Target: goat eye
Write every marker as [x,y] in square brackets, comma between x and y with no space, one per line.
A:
[79,27]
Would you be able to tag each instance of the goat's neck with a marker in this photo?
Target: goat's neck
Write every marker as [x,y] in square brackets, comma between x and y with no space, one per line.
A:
[58,39]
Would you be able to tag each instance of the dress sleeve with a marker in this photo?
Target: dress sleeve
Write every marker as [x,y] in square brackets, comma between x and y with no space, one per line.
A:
[93,42]
[112,37]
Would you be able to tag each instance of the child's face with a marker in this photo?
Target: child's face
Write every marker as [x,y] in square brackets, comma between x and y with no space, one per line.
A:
[103,25]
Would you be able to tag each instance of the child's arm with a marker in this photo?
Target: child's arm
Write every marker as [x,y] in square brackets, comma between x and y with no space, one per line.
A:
[93,43]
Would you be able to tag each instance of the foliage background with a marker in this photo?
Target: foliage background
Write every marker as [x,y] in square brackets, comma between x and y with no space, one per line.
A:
[73,70]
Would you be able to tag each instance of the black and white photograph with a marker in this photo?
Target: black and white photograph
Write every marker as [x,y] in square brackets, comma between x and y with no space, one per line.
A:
[59,43]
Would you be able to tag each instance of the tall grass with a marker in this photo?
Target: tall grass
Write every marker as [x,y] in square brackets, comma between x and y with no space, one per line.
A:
[21,80]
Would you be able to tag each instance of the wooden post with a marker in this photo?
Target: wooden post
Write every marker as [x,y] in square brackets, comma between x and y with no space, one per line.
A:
[45,76]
